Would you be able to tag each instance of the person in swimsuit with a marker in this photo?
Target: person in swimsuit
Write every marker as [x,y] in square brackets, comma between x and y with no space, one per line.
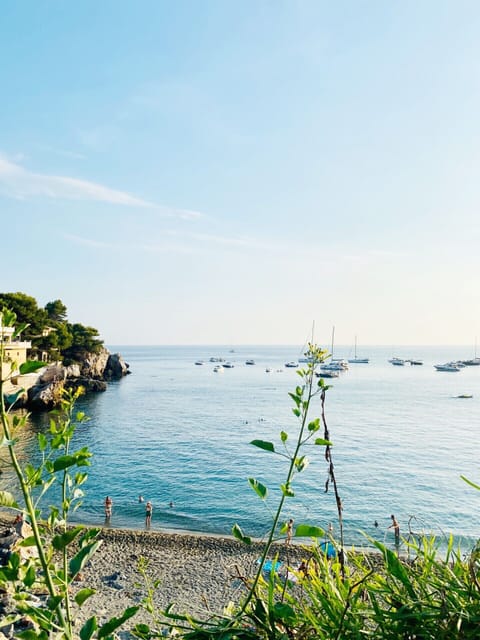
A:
[396,529]
[289,532]
[108,507]
[148,513]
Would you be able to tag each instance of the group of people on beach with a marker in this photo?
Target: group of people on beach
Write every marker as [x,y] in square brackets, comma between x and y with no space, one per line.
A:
[108,504]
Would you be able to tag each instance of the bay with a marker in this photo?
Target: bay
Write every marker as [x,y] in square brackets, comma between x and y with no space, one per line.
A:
[178,433]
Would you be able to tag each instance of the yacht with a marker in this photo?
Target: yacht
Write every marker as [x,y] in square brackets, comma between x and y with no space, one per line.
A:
[399,362]
[448,366]
[291,364]
[250,361]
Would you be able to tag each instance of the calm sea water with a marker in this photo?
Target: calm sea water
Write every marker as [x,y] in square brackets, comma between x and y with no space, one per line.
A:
[176,432]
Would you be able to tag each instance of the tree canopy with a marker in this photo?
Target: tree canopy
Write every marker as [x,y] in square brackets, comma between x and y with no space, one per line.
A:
[49,330]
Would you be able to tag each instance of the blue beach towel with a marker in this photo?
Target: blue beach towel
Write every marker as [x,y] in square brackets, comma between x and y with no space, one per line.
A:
[329,549]
[271,565]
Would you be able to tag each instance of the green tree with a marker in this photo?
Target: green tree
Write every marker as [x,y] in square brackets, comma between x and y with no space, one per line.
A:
[84,340]
[27,312]
[56,311]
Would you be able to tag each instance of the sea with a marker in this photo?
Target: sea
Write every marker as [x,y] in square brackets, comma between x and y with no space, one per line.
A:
[179,435]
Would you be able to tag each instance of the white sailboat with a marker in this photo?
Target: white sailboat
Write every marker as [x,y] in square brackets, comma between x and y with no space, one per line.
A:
[357,360]
[335,364]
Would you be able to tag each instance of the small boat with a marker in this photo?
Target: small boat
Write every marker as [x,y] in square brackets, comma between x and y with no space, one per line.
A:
[464,395]
[268,370]
[474,362]
[228,365]
[335,365]
[448,366]
[415,362]
[325,373]
[199,362]
[291,364]
[214,359]
[399,362]
[250,361]
[355,359]
[218,368]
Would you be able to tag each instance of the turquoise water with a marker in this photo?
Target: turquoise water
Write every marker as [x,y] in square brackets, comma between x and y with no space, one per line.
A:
[176,432]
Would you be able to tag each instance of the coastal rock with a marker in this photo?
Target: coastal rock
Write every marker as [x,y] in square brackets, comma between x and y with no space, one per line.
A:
[88,384]
[43,397]
[94,364]
[116,367]
[91,374]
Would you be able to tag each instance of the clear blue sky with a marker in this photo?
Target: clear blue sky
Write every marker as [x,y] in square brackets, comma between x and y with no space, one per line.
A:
[229,172]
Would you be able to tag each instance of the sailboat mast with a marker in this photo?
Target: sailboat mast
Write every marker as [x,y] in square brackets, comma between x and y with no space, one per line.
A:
[333,340]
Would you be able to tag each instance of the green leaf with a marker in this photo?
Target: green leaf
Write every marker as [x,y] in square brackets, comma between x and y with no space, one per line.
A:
[63,462]
[114,623]
[296,412]
[7,500]
[321,441]
[314,425]
[283,436]
[89,628]
[301,463]
[262,444]
[28,542]
[77,563]
[284,612]
[295,398]
[82,595]
[259,488]
[63,540]
[30,366]
[287,491]
[42,442]
[308,531]
[29,578]
[239,535]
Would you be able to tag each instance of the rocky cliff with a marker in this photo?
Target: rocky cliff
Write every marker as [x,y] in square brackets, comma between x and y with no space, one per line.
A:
[92,373]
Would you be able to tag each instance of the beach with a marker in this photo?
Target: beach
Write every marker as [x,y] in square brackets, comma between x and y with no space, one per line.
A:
[199,574]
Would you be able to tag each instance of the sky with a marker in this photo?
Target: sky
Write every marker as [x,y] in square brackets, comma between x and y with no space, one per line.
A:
[236,172]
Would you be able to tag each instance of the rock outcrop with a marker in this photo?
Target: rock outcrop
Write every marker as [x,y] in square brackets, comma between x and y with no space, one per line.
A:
[92,373]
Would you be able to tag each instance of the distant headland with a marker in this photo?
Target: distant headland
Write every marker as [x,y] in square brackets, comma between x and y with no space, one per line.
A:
[73,354]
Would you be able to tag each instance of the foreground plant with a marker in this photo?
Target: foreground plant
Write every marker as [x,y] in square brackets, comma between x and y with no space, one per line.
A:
[54,566]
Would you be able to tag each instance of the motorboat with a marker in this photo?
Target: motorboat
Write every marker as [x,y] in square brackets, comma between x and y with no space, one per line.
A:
[199,362]
[399,362]
[228,365]
[325,373]
[335,365]
[291,365]
[250,361]
[474,362]
[448,366]
[415,362]
[268,370]
[218,368]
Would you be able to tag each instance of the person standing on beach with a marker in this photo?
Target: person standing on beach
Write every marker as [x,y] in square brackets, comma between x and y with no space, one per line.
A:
[396,529]
[148,513]
[108,508]
[289,532]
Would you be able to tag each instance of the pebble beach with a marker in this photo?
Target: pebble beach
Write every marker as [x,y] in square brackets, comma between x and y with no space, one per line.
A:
[199,574]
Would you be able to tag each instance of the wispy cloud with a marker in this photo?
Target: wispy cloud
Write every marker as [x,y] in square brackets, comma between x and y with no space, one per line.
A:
[19,183]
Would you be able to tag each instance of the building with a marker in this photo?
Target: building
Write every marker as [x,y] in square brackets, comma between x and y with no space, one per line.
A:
[14,351]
